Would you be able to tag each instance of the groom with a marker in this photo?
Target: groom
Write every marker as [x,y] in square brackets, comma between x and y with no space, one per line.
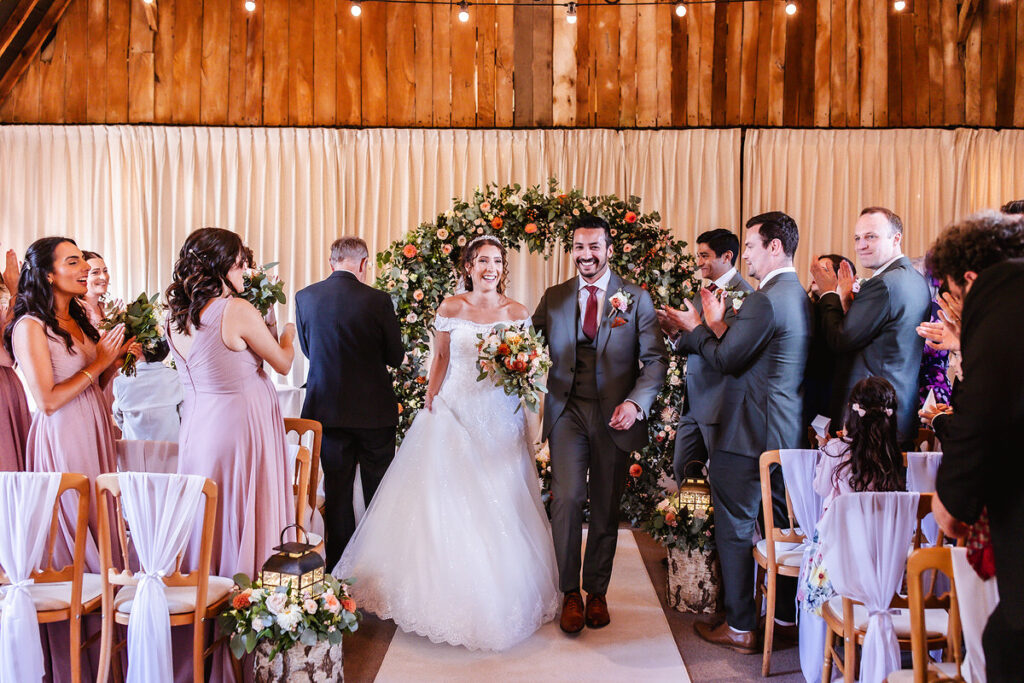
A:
[609,363]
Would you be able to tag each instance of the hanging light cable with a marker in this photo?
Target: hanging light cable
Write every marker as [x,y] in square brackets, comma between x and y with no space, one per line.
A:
[463,11]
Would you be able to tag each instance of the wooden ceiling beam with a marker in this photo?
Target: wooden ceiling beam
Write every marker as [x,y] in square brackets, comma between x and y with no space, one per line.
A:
[32,47]
[14,23]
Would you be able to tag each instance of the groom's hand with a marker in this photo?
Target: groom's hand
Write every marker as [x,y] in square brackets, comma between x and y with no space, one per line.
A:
[624,416]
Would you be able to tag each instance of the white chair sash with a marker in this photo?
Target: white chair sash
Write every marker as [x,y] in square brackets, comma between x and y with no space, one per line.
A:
[798,466]
[26,503]
[864,540]
[976,598]
[921,470]
[160,510]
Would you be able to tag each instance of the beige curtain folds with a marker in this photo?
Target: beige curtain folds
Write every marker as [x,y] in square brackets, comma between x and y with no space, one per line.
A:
[134,193]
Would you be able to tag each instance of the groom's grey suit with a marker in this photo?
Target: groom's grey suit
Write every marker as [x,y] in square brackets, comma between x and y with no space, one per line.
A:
[588,379]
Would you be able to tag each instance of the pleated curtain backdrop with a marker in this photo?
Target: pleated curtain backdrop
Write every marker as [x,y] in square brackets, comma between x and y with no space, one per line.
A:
[134,193]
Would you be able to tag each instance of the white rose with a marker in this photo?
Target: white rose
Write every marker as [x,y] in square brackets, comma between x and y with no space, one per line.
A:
[277,602]
[258,624]
[736,303]
[310,606]
[290,618]
[411,318]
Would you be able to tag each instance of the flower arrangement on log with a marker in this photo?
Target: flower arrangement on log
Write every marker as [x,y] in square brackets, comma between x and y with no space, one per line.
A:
[419,271]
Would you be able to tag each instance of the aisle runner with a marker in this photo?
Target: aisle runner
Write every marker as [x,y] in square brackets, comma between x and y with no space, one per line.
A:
[636,646]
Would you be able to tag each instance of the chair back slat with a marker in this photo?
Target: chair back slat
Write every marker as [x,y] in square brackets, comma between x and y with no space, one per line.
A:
[771,532]
[300,486]
[922,566]
[301,427]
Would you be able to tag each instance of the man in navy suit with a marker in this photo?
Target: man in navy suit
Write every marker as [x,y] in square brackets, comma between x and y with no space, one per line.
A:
[349,332]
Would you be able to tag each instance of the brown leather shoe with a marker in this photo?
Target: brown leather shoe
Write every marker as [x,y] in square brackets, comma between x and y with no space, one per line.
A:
[572,613]
[597,611]
[726,637]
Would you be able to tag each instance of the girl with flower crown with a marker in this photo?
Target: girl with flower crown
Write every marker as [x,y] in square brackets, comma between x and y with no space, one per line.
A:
[867,458]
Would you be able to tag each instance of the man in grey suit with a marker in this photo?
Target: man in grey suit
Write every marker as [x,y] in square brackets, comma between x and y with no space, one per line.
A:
[877,328]
[762,353]
[608,365]
[717,251]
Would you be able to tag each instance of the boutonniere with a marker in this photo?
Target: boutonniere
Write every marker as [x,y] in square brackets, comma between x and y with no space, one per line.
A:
[620,302]
[737,296]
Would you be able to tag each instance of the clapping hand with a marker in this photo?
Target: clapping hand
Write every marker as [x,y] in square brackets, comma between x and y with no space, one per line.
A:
[713,304]
[929,413]
[111,345]
[950,310]
[824,275]
[846,285]
[12,272]
[686,318]
[940,336]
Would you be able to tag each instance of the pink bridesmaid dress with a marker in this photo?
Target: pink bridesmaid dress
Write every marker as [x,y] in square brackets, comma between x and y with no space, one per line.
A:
[14,416]
[76,438]
[232,432]
[96,318]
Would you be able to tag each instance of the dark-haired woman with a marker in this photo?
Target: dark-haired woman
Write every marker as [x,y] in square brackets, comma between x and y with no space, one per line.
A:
[231,427]
[14,416]
[97,283]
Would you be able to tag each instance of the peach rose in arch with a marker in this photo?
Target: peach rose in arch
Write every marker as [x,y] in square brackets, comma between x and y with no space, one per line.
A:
[410,251]
[630,217]
[530,228]
[635,470]
[496,222]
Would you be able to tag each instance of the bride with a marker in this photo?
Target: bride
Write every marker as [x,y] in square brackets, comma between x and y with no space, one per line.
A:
[455,545]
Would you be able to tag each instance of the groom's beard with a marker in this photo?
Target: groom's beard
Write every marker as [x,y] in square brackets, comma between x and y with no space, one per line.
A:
[589,266]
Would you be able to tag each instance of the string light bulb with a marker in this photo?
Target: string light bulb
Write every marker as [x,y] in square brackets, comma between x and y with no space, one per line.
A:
[680,9]
[147,2]
[463,11]
[250,6]
[570,13]
[899,5]
[790,8]
[356,8]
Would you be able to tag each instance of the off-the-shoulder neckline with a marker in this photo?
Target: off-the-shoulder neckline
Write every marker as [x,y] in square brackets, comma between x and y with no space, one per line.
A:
[473,322]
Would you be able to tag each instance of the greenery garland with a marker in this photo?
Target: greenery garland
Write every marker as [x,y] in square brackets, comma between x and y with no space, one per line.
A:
[419,271]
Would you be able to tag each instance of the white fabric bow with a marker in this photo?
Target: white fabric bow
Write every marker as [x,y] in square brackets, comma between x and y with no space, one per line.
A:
[160,510]
[26,503]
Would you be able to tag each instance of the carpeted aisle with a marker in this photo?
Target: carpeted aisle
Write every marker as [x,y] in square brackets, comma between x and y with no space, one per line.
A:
[637,645]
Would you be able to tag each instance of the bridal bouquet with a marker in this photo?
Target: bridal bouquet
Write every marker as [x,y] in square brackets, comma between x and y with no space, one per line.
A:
[514,356]
[262,290]
[141,319]
[284,618]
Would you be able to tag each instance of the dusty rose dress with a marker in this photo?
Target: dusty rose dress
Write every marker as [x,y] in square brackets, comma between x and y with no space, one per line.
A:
[76,438]
[14,416]
[95,318]
[232,432]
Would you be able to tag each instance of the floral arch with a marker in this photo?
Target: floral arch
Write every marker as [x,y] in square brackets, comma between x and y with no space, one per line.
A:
[419,271]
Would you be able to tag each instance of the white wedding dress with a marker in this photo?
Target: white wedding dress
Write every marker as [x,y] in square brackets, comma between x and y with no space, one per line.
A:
[455,545]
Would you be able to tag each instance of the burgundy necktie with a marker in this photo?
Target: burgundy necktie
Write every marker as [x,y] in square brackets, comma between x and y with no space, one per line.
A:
[712,287]
[590,315]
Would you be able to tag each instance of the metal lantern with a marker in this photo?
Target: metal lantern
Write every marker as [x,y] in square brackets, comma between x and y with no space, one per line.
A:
[694,492]
[295,564]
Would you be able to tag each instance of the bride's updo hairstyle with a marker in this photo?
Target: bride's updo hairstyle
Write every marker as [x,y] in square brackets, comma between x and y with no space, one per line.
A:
[201,272]
[469,254]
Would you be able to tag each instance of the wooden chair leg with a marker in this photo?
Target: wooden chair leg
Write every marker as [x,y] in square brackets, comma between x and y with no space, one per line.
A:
[826,667]
[75,639]
[106,643]
[769,625]
[198,650]
[850,658]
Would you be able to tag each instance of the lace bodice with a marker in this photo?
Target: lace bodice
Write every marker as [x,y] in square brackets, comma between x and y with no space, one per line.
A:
[462,363]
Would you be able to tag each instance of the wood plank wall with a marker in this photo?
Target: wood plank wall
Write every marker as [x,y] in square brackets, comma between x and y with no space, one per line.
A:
[836,63]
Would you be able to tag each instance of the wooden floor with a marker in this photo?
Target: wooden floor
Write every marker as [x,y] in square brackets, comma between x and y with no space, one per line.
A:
[365,649]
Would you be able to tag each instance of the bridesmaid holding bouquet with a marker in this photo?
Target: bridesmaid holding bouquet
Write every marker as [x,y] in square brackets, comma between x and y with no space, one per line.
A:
[14,415]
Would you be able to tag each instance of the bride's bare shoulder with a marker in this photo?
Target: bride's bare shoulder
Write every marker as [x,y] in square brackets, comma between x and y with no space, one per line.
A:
[515,310]
[452,306]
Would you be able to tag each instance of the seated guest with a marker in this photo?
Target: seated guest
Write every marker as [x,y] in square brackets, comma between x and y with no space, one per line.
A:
[867,458]
[147,405]
[1014,207]
[878,327]
[981,259]
[821,360]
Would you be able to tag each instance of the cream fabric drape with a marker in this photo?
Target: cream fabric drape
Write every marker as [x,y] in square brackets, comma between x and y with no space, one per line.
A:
[823,178]
[134,193]
[995,167]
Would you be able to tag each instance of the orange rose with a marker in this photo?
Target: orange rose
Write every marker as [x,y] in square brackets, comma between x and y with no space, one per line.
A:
[530,228]
[635,470]
[348,604]
[410,251]
[400,409]
[418,295]
[670,518]
[421,380]
[630,217]
[446,249]
[504,350]
[496,222]
[508,362]
[519,366]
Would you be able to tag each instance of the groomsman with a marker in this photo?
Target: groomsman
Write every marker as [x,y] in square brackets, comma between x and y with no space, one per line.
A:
[762,353]
[717,251]
[878,326]
[349,332]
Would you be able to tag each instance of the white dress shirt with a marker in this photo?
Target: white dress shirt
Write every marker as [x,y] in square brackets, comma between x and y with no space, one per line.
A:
[584,295]
[146,406]
[723,282]
[778,271]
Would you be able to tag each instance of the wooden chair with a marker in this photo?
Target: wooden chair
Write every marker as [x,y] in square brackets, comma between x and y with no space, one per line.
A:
[922,564]
[927,437]
[778,554]
[193,598]
[68,593]
[847,618]
[302,427]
